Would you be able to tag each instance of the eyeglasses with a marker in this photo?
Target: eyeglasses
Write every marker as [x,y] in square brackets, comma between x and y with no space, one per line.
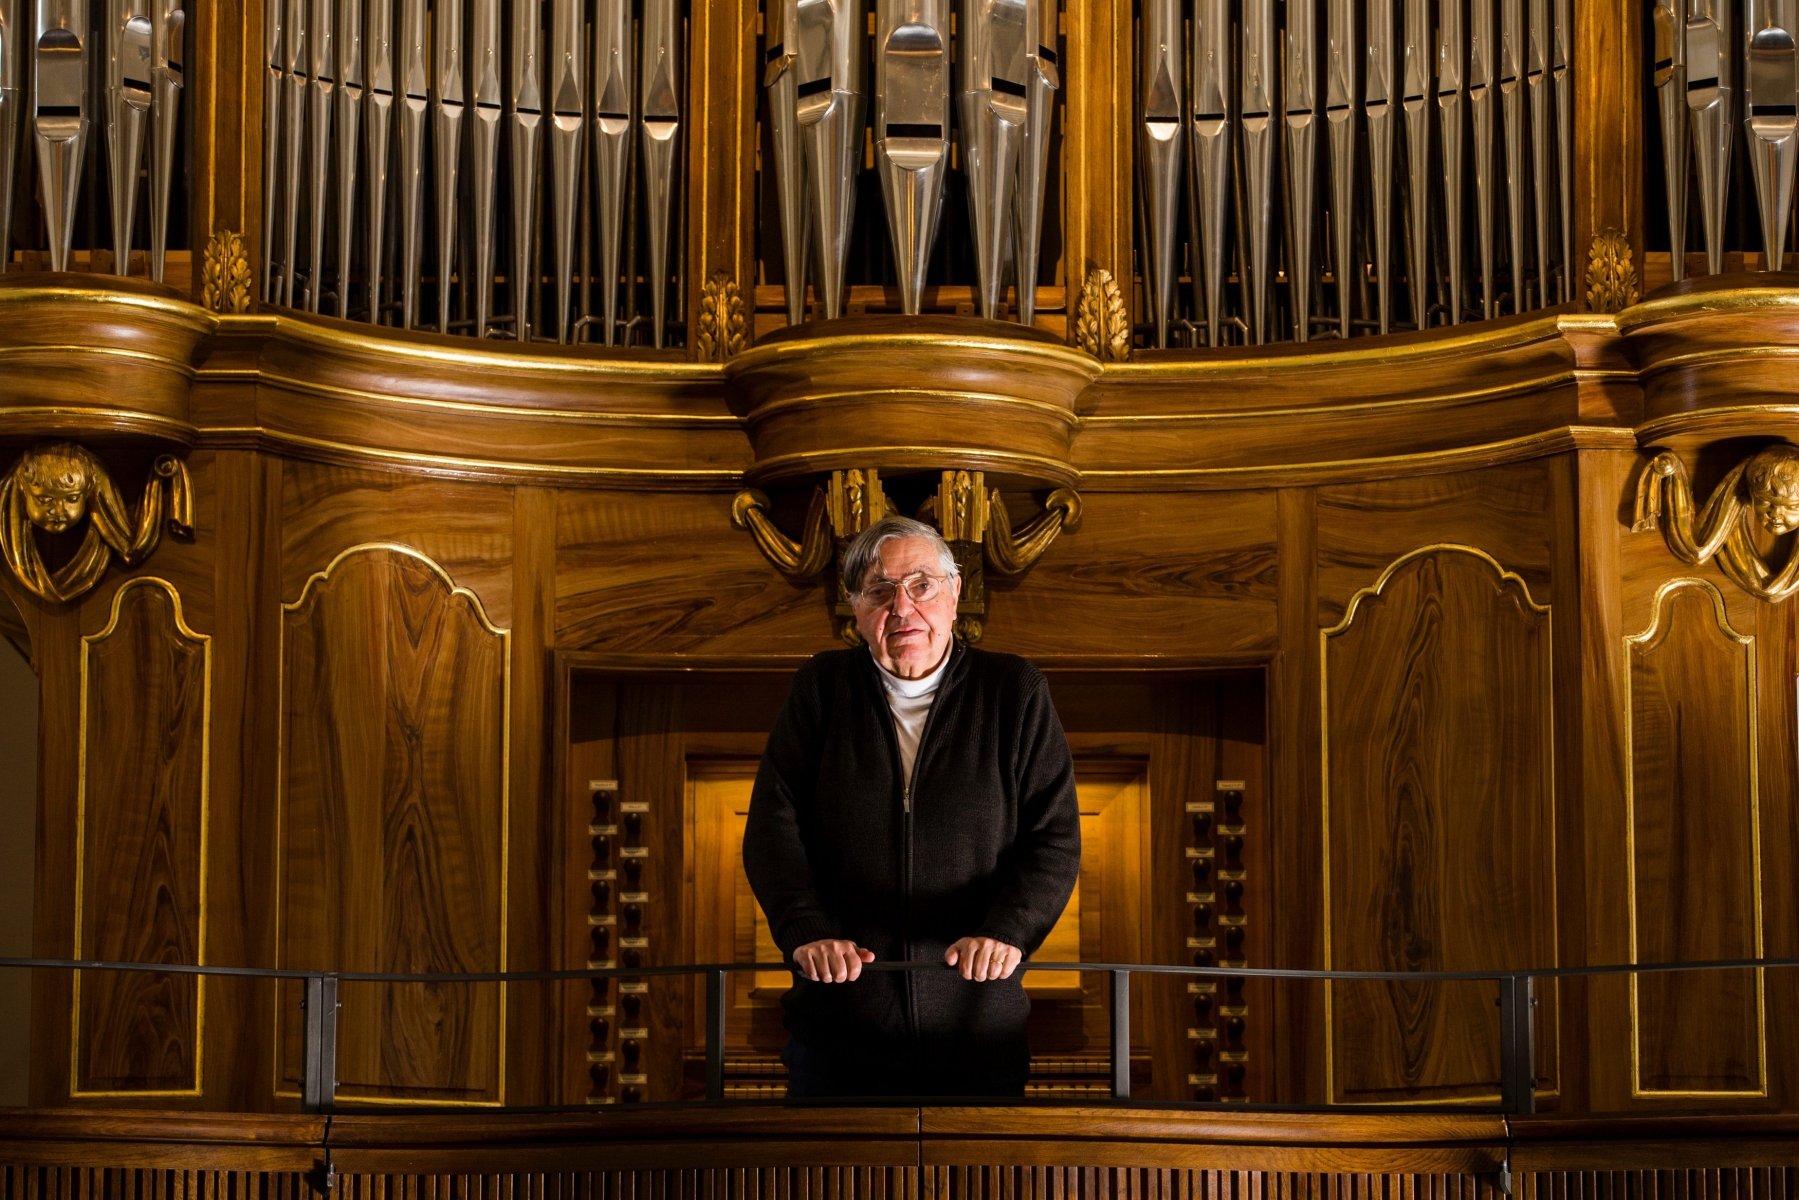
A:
[920,587]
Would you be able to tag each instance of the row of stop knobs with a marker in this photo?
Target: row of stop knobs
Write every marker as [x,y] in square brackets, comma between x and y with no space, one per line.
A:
[1215,858]
[617,1020]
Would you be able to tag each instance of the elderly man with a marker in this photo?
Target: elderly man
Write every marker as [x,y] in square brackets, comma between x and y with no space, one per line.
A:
[916,803]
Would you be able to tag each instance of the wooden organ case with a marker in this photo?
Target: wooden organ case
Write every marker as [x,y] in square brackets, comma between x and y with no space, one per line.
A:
[413,568]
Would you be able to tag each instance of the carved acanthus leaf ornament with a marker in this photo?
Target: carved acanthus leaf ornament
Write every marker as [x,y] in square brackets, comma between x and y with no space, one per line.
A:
[225,274]
[1611,273]
[1102,325]
[722,330]
[1761,491]
[58,485]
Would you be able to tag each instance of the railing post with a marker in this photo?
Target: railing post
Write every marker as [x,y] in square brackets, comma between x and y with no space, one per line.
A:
[715,1034]
[1517,1045]
[1121,1034]
[318,1087]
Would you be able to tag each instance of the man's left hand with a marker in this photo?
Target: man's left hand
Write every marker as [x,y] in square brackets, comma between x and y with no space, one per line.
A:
[981,959]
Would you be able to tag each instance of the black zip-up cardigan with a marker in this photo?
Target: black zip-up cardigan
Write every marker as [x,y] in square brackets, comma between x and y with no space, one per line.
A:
[988,844]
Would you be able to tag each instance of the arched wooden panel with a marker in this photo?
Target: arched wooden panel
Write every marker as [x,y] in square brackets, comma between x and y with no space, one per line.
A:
[140,854]
[1695,849]
[1439,823]
[393,820]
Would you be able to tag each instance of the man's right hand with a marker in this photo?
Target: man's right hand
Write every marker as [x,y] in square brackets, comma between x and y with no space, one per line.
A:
[833,960]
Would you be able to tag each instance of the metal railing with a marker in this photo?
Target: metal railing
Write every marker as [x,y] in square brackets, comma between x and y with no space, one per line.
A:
[1516,1002]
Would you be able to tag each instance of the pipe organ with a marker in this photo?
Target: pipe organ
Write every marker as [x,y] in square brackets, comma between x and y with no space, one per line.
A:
[1364,231]
[415,109]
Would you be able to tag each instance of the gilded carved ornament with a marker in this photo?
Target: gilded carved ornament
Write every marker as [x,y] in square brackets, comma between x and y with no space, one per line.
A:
[1102,325]
[55,487]
[1761,492]
[972,518]
[722,329]
[1611,273]
[225,274]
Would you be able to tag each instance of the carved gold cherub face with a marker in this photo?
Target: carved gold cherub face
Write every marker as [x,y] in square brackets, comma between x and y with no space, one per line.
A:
[1773,478]
[56,481]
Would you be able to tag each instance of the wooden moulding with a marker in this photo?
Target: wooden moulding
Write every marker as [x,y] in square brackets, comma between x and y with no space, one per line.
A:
[78,362]
[1717,358]
[911,394]
[1703,360]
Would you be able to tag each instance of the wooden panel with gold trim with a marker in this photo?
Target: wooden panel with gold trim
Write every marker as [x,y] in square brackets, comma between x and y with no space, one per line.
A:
[1439,823]
[1694,849]
[393,823]
[140,854]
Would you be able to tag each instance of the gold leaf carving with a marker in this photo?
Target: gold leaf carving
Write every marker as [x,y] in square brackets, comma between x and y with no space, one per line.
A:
[722,328]
[802,559]
[58,485]
[1012,552]
[1102,327]
[1761,491]
[1611,274]
[225,277]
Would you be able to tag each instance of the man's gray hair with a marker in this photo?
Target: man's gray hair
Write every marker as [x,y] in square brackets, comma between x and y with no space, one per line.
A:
[864,550]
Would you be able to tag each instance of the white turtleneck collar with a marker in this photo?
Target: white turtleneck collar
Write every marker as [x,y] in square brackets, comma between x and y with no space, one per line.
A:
[910,700]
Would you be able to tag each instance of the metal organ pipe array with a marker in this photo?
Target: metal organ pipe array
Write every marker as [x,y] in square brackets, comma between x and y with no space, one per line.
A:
[1004,87]
[1422,105]
[417,108]
[142,42]
[1706,53]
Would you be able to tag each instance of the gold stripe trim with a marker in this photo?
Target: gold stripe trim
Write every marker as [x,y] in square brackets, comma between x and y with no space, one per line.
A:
[88,641]
[1672,308]
[1649,431]
[159,361]
[910,456]
[191,315]
[295,331]
[336,391]
[182,429]
[1536,386]
[1747,642]
[1533,445]
[505,636]
[1725,356]
[770,354]
[922,395]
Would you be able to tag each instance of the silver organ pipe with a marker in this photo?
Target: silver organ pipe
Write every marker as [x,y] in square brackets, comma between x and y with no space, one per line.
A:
[1564,136]
[320,84]
[659,105]
[378,51]
[525,122]
[1452,48]
[829,110]
[59,116]
[568,107]
[1709,79]
[129,37]
[1341,99]
[1511,91]
[168,43]
[483,66]
[293,126]
[613,64]
[992,101]
[11,71]
[1670,67]
[1537,86]
[1377,102]
[1302,155]
[1209,120]
[414,97]
[273,57]
[911,136]
[1772,88]
[348,118]
[1257,118]
[1042,80]
[1414,99]
[781,78]
[448,103]
[1483,101]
